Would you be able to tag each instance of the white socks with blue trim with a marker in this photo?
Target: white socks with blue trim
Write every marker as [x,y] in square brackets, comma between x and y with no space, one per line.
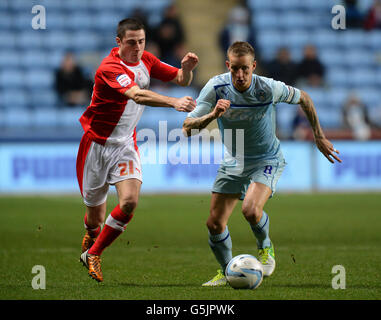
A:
[261,231]
[221,245]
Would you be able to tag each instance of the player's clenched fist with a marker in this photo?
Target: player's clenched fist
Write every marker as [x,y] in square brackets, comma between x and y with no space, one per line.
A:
[189,61]
[221,107]
[185,104]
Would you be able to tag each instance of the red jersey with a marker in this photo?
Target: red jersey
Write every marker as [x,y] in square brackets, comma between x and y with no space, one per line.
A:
[111,116]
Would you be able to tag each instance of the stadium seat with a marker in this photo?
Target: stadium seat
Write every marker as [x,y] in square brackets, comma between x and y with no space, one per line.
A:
[10,58]
[287,5]
[55,58]
[318,96]
[57,21]
[82,21]
[12,78]
[295,20]
[258,6]
[329,118]
[155,5]
[325,38]
[31,39]
[266,20]
[285,115]
[362,78]
[4,6]
[85,41]
[35,58]
[107,20]
[39,78]
[45,116]
[297,38]
[374,40]
[22,5]
[378,77]
[337,96]
[13,98]
[370,96]
[269,39]
[5,21]
[74,5]
[354,57]
[331,57]
[316,6]
[68,117]
[22,20]
[337,77]
[58,40]
[8,40]
[43,98]
[54,5]
[17,117]
[352,39]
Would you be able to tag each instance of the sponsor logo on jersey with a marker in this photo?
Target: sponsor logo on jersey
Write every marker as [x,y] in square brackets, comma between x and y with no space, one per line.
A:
[123,79]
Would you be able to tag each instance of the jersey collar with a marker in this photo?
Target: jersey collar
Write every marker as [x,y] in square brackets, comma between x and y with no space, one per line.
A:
[248,89]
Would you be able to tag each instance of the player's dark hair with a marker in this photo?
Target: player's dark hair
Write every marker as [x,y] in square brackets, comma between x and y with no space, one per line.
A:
[128,24]
[241,48]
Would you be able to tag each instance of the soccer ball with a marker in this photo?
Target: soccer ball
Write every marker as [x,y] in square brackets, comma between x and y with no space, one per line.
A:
[244,272]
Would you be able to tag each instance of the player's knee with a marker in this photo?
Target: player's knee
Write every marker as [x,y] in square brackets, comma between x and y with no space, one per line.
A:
[128,205]
[252,212]
[215,226]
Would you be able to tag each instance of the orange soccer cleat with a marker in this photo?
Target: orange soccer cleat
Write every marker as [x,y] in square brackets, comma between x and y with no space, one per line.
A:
[93,263]
[87,242]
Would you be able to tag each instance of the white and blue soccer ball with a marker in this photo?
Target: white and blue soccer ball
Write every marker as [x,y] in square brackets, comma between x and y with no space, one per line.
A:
[244,272]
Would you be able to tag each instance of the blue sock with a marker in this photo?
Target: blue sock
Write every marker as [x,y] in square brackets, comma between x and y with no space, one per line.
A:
[221,245]
[261,231]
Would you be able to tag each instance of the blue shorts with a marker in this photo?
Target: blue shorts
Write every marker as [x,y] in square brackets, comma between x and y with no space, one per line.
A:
[266,172]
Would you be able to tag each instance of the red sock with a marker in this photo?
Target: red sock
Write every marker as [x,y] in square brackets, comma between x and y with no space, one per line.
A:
[92,232]
[116,223]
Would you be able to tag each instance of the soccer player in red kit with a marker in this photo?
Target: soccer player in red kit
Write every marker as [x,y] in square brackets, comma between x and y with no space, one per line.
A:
[108,153]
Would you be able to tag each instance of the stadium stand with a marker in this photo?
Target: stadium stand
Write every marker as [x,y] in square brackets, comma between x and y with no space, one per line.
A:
[351,57]
[29,57]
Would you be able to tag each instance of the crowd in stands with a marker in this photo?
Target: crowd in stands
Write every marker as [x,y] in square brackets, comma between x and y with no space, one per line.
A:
[314,62]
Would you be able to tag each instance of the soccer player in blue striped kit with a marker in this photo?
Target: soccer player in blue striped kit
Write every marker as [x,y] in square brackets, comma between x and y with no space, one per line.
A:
[245,102]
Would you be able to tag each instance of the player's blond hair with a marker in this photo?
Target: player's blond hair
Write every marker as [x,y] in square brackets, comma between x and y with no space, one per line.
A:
[241,48]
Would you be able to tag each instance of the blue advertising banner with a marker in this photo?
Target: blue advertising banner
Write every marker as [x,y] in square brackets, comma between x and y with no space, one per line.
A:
[38,168]
[50,167]
[360,168]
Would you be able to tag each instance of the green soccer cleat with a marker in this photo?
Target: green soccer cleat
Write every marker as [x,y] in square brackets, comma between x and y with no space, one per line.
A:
[266,256]
[218,281]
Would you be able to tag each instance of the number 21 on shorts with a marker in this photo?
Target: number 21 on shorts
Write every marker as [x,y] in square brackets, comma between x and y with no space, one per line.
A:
[126,168]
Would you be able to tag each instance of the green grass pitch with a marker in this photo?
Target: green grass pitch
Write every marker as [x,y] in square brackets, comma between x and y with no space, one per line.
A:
[164,253]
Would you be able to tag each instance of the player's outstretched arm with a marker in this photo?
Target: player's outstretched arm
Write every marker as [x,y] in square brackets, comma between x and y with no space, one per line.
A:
[153,99]
[322,143]
[197,124]
[185,74]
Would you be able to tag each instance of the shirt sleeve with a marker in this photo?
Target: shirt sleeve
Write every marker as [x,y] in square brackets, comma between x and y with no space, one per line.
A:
[161,70]
[285,93]
[205,102]
[120,80]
